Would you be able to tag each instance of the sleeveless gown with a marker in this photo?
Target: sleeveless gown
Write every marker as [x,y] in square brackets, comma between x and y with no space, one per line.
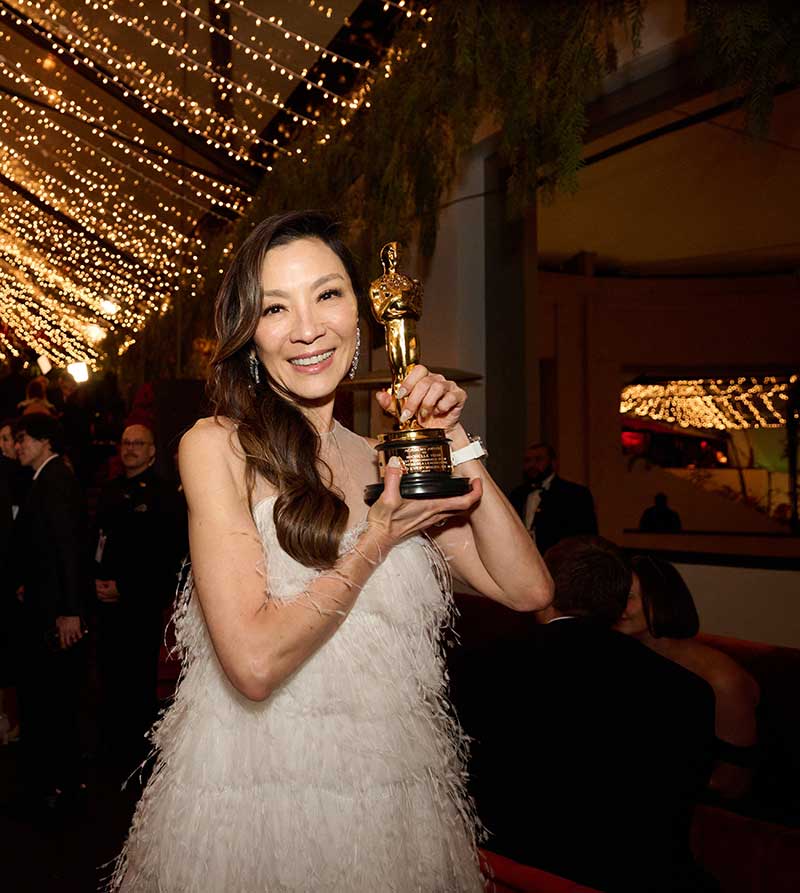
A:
[348,779]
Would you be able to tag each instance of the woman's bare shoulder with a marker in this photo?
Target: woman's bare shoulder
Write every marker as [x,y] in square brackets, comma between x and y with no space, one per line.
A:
[211,433]
[210,445]
[722,672]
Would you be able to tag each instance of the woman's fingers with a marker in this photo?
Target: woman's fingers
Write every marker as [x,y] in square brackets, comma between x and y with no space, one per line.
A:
[423,396]
[385,400]
[412,379]
[391,481]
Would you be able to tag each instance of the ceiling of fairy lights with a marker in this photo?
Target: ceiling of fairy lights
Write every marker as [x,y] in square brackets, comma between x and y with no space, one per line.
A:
[123,125]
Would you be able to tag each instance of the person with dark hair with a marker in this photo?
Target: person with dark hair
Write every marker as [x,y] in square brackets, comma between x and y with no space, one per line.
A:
[139,548]
[594,775]
[51,572]
[660,518]
[14,484]
[550,507]
[310,746]
[661,613]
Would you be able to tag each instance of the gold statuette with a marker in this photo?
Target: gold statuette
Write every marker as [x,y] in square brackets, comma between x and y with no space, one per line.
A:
[396,303]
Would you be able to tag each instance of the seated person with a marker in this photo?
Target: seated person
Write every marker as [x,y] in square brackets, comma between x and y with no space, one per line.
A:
[590,765]
[661,613]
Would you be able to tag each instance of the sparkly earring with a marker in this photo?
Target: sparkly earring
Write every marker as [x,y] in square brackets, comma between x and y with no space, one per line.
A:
[354,365]
[252,361]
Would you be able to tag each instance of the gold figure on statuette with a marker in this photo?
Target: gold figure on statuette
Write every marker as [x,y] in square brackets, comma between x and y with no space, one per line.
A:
[396,301]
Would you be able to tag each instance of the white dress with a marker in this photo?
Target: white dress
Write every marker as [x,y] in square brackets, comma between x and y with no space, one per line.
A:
[349,777]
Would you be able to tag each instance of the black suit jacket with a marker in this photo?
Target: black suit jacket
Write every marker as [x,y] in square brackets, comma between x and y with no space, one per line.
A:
[566,509]
[143,522]
[50,548]
[590,751]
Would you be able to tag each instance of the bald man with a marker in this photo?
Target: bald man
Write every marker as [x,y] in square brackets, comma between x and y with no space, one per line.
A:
[140,540]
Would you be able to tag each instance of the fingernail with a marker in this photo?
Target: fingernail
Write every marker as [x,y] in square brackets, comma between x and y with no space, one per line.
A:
[423,413]
[394,462]
[405,415]
[401,392]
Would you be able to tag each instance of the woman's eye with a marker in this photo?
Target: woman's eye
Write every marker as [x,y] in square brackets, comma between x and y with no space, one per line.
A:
[272,310]
[330,293]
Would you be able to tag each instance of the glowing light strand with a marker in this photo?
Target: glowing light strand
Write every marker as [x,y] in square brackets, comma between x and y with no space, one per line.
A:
[718,404]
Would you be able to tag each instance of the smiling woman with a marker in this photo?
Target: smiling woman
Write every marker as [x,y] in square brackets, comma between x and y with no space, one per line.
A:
[310,746]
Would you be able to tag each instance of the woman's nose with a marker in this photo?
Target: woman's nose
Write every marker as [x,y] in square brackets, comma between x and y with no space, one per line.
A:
[307,325]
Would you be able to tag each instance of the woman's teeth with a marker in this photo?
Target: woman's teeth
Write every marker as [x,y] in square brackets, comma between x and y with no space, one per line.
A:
[312,361]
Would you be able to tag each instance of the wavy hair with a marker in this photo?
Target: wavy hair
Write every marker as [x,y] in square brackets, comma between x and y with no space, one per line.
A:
[278,441]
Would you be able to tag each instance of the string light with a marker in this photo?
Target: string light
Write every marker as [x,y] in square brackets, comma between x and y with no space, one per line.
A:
[277,23]
[98,219]
[734,404]
[117,140]
[282,68]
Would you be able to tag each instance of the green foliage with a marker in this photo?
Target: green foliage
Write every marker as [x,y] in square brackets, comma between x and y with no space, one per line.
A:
[527,67]
[751,43]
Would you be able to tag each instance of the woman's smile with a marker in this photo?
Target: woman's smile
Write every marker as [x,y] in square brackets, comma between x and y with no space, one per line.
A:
[311,363]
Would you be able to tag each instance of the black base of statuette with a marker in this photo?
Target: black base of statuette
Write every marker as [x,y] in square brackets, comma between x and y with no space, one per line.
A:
[422,485]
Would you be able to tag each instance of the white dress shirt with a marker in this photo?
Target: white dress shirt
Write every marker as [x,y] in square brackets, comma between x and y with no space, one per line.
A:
[534,499]
[39,469]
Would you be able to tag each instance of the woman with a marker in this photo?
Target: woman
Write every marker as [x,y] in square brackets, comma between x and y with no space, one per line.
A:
[661,613]
[310,746]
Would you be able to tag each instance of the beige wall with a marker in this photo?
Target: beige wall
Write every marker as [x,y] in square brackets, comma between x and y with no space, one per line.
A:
[747,603]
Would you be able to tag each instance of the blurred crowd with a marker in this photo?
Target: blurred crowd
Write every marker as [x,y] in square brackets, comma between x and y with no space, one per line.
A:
[92,538]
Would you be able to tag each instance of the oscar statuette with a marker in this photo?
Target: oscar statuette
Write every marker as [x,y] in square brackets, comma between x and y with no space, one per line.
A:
[396,302]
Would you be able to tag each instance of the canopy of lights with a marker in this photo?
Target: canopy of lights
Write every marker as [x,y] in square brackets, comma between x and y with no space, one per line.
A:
[125,124]
[712,403]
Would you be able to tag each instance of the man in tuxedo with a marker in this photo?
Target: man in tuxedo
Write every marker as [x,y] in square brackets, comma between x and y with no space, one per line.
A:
[141,540]
[593,774]
[551,507]
[51,576]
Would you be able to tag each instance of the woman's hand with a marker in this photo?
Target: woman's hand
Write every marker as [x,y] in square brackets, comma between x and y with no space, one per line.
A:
[394,518]
[436,402]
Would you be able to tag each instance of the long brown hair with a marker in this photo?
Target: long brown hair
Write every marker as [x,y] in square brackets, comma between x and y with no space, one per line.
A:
[278,441]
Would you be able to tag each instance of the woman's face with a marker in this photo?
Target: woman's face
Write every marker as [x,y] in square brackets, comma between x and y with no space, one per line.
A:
[633,621]
[306,336]
[7,442]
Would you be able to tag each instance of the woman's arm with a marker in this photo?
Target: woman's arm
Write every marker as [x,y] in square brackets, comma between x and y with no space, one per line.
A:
[261,641]
[490,550]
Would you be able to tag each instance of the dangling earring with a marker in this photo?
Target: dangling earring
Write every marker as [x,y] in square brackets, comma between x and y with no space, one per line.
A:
[354,365]
[252,361]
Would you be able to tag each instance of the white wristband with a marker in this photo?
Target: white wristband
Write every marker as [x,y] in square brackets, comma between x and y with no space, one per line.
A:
[474,450]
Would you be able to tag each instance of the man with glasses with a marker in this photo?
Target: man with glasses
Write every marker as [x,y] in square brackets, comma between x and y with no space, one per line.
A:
[141,531]
[49,554]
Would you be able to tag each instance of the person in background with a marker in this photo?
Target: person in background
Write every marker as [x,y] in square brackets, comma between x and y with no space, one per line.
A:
[141,541]
[49,548]
[14,484]
[7,440]
[551,508]
[12,386]
[660,518]
[593,775]
[661,613]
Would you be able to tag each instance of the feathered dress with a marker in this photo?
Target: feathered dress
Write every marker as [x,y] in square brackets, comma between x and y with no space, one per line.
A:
[349,777]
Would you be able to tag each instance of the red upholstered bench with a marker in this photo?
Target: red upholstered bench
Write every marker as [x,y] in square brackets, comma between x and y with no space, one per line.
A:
[746,855]
[508,876]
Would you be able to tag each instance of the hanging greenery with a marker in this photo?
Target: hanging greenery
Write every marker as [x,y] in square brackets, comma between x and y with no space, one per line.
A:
[528,67]
[751,43]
